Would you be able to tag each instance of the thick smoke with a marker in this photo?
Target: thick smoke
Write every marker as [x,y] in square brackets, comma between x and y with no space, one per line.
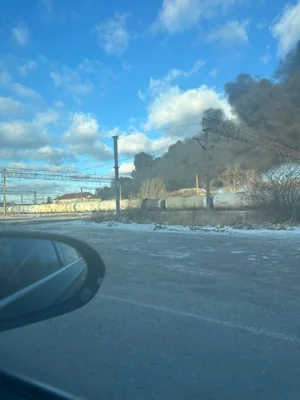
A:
[266,107]
[269,108]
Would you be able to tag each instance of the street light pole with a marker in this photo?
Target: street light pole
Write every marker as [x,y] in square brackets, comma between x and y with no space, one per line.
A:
[4,190]
[117,180]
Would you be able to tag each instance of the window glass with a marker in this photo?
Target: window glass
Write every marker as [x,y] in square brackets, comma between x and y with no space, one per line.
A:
[26,261]
[69,253]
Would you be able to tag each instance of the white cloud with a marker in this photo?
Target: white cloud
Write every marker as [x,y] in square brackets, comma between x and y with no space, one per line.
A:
[137,142]
[287,29]
[83,136]
[214,72]
[44,167]
[89,76]
[50,154]
[83,128]
[17,88]
[126,168]
[176,107]
[173,112]
[111,132]
[141,95]
[45,118]
[21,34]
[24,91]
[180,15]
[174,74]
[10,107]
[113,35]
[265,59]
[22,134]
[232,33]
[157,86]
[61,11]
[262,24]
[46,10]
[59,104]
[33,134]
[27,67]
[71,81]
[5,78]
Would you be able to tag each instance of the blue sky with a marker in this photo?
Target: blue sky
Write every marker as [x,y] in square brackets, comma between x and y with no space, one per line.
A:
[73,73]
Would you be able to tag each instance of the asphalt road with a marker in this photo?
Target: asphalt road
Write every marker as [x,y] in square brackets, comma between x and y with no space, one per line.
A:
[179,316]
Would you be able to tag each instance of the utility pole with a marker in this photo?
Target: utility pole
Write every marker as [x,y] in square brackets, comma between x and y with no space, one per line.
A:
[34,198]
[4,190]
[205,148]
[117,180]
[207,175]
[197,184]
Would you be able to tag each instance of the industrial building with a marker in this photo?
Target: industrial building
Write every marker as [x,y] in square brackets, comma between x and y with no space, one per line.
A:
[75,197]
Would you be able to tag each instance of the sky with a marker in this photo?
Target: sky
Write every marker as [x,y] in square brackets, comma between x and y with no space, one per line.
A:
[74,73]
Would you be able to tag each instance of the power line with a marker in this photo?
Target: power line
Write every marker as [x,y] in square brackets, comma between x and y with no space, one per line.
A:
[231,131]
[102,165]
[172,127]
[47,175]
[144,131]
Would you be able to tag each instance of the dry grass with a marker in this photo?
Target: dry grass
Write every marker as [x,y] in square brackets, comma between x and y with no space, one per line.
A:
[191,218]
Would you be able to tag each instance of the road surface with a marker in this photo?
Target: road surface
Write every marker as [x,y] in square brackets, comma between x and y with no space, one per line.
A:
[179,316]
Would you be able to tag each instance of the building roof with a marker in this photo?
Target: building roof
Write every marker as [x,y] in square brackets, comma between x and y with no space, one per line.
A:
[80,195]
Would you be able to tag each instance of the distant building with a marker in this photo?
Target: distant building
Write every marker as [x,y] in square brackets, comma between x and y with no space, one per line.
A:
[188,192]
[71,197]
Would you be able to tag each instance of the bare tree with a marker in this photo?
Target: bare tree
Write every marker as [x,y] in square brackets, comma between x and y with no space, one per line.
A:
[153,188]
[233,175]
[276,194]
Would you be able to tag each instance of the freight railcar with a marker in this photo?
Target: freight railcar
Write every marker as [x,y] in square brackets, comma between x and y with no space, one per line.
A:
[221,201]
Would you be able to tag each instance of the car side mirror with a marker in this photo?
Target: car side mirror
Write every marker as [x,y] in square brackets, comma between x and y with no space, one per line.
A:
[44,275]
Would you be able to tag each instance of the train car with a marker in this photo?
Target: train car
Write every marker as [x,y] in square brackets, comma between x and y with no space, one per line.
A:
[31,209]
[70,207]
[162,204]
[59,208]
[15,209]
[125,204]
[230,201]
[24,209]
[193,202]
[175,203]
[45,208]
[86,206]
[211,202]
[151,204]
[108,205]
[136,204]
[93,206]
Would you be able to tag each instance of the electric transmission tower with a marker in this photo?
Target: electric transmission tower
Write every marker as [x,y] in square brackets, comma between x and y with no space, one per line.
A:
[231,131]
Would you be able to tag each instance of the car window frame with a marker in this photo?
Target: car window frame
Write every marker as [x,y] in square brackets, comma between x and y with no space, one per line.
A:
[61,256]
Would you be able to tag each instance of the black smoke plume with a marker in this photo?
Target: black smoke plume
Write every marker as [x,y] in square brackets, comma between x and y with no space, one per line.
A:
[266,107]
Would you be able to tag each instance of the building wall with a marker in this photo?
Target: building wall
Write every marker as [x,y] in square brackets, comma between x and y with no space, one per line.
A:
[75,199]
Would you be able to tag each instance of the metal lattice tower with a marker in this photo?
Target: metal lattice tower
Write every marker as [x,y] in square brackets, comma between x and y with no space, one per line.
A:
[230,131]
[20,173]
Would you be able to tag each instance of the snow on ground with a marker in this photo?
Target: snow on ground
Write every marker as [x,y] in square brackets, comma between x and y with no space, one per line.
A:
[185,229]
[132,226]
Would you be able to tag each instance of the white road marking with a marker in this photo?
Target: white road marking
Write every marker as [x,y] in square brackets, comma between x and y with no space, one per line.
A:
[227,324]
